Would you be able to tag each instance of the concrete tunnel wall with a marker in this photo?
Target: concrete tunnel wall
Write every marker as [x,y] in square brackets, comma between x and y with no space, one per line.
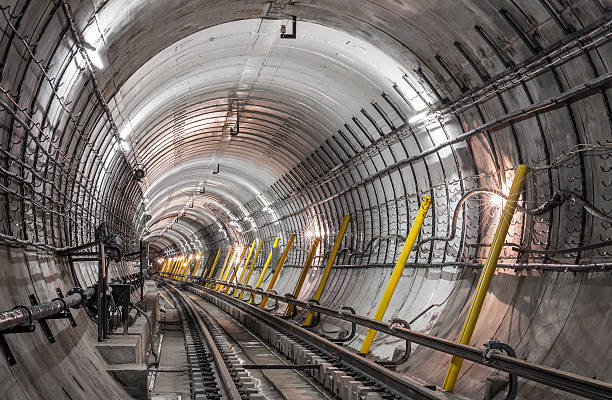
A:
[70,368]
[308,154]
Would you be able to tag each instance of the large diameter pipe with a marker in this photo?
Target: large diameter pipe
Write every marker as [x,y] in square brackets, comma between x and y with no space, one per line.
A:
[13,318]
[397,271]
[487,273]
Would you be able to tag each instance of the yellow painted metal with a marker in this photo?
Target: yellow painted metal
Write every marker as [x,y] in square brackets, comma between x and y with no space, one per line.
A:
[235,269]
[229,268]
[195,269]
[302,277]
[175,266]
[184,265]
[246,264]
[248,277]
[397,271]
[277,271]
[265,267]
[163,267]
[214,264]
[226,266]
[487,273]
[328,266]
[227,257]
[170,266]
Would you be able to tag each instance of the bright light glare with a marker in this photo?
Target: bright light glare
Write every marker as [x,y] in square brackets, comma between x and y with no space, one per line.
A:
[309,234]
[95,58]
[496,200]
[125,146]
[418,117]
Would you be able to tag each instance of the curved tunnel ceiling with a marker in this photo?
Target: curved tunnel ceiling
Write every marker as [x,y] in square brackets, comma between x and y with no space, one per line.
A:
[372,106]
[285,98]
[352,77]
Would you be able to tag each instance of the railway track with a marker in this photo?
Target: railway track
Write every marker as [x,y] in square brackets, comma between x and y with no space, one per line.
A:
[233,354]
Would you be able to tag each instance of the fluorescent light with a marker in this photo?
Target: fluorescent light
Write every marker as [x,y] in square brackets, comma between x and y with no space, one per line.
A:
[124,145]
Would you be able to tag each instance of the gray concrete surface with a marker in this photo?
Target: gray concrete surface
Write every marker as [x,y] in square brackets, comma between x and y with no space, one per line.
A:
[177,75]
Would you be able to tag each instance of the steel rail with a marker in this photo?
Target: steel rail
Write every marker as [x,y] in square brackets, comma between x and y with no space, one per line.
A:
[390,380]
[28,314]
[566,381]
[226,378]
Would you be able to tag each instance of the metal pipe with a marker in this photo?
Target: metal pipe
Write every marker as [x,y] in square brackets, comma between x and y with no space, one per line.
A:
[214,264]
[277,271]
[265,267]
[19,316]
[246,264]
[328,266]
[302,277]
[397,271]
[487,273]
[248,277]
[235,269]
[195,270]
[227,257]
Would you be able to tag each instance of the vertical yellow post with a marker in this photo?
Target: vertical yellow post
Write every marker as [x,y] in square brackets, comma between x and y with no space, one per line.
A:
[277,271]
[265,267]
[214,264]
[246,280]
[186,269]
[224,265]
[170,266]
[163,267]
[302,277]
[175,267]
[246,264]
[328,266]
[235,269]
[487,273]
[228,269]
[195,269]
[397,271]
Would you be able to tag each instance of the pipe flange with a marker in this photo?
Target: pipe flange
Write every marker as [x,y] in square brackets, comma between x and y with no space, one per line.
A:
[65,306]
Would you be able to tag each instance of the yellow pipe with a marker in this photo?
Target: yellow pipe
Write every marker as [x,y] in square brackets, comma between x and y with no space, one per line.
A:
[214,264]
[174,267]
[265,267]
[397,271]
[163,267]
[487,273]
[302,277]
[235,269]
[229,268]
[183,268]
[170,266]
[328,266]
[248,277]
[195,270]
[246,264]
[229,251]
[277,271]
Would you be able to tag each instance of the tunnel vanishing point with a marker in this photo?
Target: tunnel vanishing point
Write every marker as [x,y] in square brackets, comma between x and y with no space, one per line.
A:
[315,199]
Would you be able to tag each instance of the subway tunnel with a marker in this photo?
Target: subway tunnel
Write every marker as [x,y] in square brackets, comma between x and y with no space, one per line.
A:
[159,156]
